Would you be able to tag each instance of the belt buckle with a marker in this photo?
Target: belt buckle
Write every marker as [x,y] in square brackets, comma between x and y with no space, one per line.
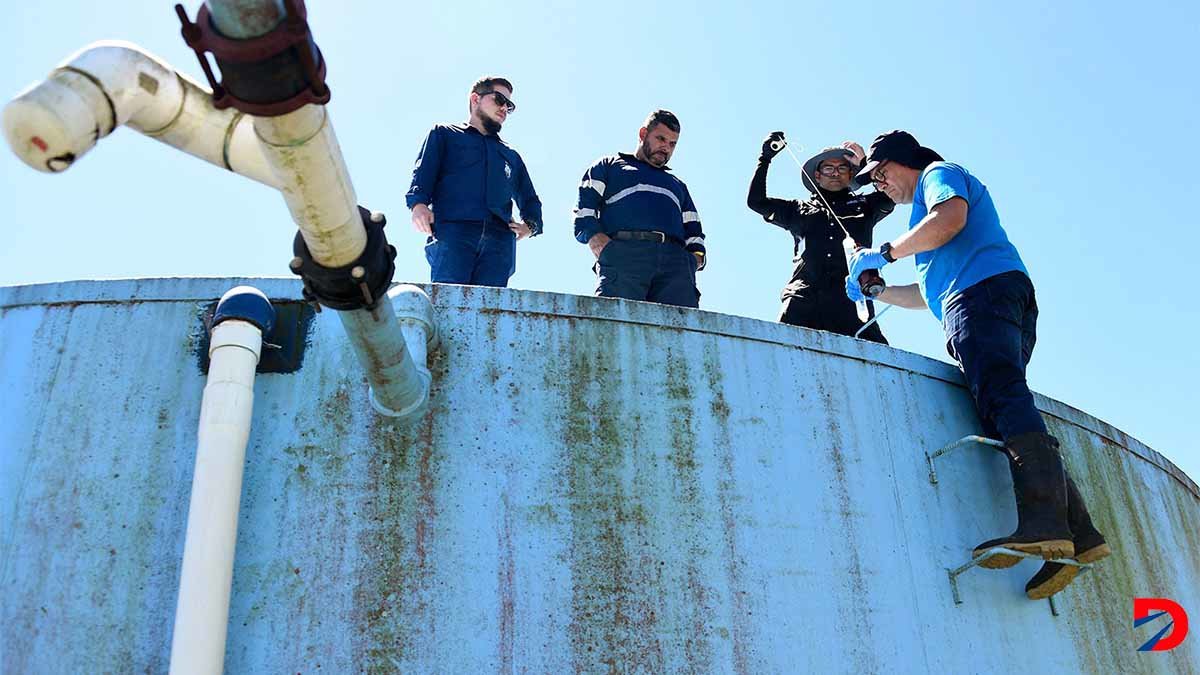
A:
[662,237]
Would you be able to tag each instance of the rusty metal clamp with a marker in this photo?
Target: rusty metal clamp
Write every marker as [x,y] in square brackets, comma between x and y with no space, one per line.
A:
[266,76]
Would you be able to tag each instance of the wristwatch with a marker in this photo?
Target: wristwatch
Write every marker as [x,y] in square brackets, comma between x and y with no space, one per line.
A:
[885,250]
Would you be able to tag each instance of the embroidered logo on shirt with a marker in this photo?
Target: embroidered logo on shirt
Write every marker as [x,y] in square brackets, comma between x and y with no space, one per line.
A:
[507,171]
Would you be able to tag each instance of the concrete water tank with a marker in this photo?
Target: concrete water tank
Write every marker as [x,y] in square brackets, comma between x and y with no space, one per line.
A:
[598,486]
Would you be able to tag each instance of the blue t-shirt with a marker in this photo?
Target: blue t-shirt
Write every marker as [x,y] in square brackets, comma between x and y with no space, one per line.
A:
[980,250]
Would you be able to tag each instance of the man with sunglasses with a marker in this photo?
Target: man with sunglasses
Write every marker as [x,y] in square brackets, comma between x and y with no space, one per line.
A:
[640,222]
[972,279]
[463,187]
[815,296]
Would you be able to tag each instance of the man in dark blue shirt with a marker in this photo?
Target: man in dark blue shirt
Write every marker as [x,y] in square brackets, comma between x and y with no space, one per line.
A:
[640,222]
[463,186]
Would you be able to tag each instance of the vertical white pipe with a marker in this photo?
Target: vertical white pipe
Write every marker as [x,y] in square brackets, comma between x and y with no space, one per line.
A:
[202,613]
[392,342]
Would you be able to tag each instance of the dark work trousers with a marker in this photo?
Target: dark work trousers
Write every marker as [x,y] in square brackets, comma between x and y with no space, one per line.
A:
[647,270]
[482,254]
[991,329]
[827,308]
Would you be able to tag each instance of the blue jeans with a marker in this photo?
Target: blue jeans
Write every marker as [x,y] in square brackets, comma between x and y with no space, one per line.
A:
[991,329]
[482,254]
[647,270]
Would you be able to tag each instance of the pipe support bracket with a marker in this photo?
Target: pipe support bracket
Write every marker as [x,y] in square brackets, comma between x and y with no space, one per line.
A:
[266,76]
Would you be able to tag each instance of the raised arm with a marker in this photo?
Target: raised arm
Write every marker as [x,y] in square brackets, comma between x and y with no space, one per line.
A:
[775,211]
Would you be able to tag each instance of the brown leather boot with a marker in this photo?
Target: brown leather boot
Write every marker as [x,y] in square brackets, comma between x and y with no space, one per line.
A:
[1040,489]
[1089,547]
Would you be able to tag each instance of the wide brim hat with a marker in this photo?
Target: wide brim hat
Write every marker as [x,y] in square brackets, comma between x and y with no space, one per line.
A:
[813,163]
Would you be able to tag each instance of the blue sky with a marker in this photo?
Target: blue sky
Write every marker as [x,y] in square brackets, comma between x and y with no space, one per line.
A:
[1080,118]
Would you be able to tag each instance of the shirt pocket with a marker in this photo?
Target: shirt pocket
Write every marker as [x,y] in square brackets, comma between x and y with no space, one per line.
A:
[463,153]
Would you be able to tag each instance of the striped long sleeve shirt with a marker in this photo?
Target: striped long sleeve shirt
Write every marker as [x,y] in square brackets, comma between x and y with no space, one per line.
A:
[621,192]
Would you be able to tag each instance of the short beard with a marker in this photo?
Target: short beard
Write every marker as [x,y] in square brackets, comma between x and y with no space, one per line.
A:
[489,124]
[647,154]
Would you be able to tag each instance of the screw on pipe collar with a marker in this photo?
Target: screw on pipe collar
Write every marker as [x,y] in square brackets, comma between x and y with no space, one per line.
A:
[246,303]
[356,285]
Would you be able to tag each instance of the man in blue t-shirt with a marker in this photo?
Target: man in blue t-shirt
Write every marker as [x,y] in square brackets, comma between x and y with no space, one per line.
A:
[972,279]
[463,187]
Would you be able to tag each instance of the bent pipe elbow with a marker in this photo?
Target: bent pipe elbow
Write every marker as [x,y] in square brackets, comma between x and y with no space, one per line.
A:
[392,347]
[107,84]
[414,317]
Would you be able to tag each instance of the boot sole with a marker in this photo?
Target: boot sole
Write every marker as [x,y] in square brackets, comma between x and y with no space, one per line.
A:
[1048,550]
[1064,576]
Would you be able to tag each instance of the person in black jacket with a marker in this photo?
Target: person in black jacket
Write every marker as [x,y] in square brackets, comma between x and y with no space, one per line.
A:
[816,295]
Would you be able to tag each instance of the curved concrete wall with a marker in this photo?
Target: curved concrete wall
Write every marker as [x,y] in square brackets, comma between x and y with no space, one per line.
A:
[600,486]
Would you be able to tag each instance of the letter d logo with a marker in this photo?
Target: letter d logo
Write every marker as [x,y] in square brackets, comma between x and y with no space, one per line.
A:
[1142,608]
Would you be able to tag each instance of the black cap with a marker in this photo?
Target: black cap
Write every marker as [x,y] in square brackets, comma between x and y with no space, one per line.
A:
[896,145]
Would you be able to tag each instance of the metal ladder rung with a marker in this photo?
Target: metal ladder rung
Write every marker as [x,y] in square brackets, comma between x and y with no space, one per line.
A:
[982,440]
[1000,550]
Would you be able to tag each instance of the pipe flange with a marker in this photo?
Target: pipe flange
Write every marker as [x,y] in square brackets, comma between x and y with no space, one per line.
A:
[270,75]
[357,285]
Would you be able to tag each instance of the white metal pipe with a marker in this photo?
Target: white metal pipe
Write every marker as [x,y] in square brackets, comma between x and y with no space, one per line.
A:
[309,169]
[107,84]
[311,172]
[202,613]
[303,151]
[406,381]
[396,357]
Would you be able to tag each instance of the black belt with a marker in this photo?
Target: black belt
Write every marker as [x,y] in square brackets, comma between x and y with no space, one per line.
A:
[647,235]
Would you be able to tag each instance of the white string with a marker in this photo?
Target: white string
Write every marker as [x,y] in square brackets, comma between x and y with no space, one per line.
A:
[862,304]
[873,319]
[817,189]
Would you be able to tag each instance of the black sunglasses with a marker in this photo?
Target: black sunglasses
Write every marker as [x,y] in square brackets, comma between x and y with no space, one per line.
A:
[501,99]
